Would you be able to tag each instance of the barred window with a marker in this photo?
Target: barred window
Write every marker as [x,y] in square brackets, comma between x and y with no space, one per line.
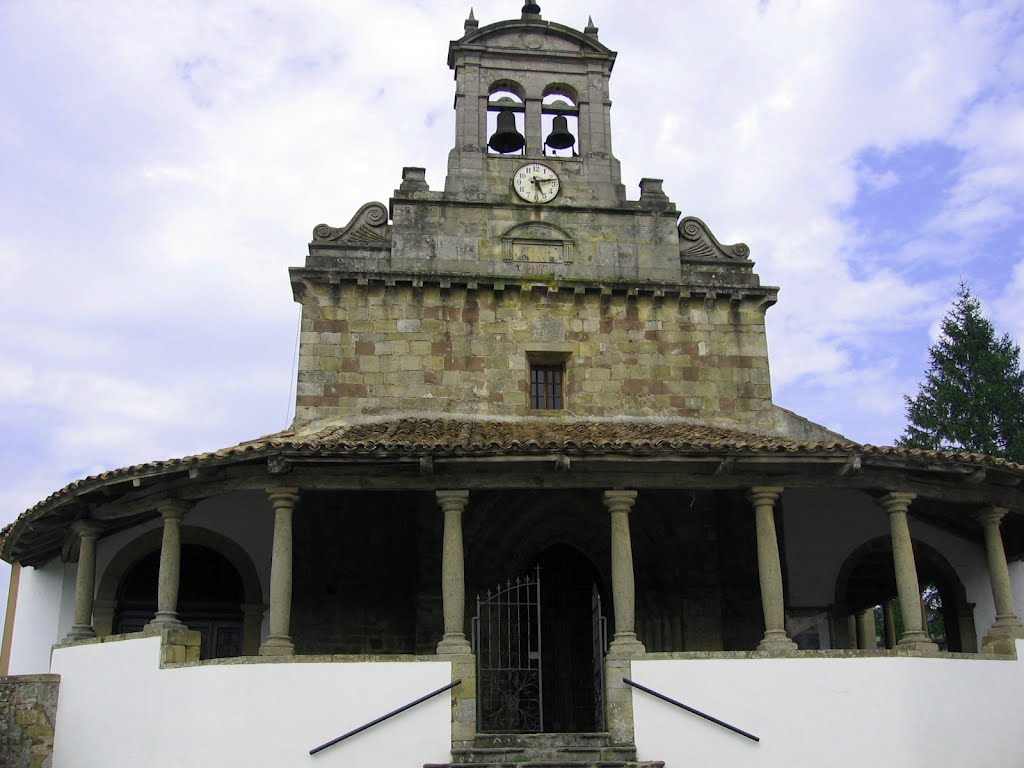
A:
[546,387]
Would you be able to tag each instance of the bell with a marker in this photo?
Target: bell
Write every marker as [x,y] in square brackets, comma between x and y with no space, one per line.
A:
[506,139]
[560,138]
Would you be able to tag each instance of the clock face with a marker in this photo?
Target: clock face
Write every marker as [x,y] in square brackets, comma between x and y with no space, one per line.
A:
[536,183]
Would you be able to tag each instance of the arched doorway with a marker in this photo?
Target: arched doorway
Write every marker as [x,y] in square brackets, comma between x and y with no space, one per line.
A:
[540,640]
[572,649]
[210,599]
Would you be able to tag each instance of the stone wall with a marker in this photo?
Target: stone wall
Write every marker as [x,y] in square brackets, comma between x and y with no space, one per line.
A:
[28,709]
[371,350]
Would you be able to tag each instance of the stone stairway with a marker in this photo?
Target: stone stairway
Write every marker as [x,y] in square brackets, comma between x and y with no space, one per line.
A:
[544,750]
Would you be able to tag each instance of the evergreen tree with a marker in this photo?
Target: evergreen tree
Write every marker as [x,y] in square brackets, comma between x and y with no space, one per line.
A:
[973,394]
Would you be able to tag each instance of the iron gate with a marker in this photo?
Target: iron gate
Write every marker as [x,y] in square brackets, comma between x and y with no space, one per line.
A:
[599,626]
[506,638]
[507,642]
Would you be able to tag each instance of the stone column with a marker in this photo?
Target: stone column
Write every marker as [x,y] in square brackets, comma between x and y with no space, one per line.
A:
[279,642]
[533,128]
[907,587]
[624,642]
[85,583]
[453,573]
[866,630]
[889,615]
[769,570]
[1007,626]
[173,510]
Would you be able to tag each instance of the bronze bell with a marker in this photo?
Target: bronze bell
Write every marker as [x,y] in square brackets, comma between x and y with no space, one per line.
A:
[560,138]
[506,139]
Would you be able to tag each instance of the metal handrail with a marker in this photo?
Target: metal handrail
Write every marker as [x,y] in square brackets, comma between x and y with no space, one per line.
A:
[697,712]
[381,719]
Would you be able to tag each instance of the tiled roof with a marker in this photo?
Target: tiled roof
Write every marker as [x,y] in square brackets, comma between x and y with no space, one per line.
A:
[466,438]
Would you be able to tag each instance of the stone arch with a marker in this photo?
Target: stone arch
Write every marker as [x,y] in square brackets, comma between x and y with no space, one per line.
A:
[867,578]
[130,554]
[505,84]
[562,89]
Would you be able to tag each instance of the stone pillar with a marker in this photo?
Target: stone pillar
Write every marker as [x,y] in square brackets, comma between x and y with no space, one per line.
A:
[533,128]
[453,573]
[624,642]
[769,570]
[889,615]
[279,642]
[851,631]
[1007,626]
[85,583]
[173,510]
[866,630]
[907,587]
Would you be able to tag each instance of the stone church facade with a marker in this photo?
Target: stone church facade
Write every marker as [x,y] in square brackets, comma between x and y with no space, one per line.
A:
[535,448]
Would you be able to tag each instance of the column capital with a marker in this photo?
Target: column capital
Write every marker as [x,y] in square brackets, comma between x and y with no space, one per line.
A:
[764,495]
[894,503]
[172,509]
[456,499]
[991,516]
[283,496]
[619,501]
[86,529]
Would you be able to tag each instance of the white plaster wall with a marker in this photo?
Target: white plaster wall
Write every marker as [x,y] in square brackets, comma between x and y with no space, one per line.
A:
[823,528]
[37,621]
[833,712]
[118,708]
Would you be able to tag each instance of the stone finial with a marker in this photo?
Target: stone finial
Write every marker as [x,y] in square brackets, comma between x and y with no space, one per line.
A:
[531,9]
[414,180]
[471,22]
[590,29]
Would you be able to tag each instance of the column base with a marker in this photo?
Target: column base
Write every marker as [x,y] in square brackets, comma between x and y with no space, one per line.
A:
[625,645]
[79,632]
[453,644]
[776,641]
[277,645]
[164,620]
[1002,636]
[916,641]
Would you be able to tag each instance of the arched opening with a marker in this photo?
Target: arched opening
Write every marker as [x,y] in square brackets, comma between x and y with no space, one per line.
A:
[560,122]
[506,117]
[573,641]
[210,599]
[867,581]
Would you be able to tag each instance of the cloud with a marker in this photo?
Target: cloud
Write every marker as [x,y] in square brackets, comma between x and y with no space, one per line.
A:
[165,164]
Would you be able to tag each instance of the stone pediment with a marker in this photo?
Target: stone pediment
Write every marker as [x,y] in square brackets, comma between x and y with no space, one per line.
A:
[697,243]
[532,36]
[369,228]
[538,243]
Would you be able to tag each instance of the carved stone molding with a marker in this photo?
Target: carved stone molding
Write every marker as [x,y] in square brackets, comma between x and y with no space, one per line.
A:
[697,243]
[368,227]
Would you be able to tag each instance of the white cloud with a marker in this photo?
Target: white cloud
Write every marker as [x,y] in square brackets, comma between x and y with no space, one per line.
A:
[171,161]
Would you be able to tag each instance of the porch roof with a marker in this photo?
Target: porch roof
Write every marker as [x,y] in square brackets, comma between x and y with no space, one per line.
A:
[40,532]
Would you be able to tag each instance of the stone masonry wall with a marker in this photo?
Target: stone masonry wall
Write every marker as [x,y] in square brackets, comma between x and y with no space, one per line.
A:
[28,708]
[375,350]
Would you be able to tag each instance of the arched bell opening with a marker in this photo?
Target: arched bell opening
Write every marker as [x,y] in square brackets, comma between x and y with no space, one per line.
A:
[560,122]
[210,599]
[867,582]
[506,117]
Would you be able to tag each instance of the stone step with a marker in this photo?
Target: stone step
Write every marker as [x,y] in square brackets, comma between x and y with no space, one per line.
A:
[554,764]
[562,753]
[539,740]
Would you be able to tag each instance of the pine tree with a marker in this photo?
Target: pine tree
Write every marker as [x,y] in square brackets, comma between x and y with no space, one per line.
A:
[973,394]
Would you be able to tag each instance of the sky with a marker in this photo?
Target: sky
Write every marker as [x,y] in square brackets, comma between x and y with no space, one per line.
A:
[162,164]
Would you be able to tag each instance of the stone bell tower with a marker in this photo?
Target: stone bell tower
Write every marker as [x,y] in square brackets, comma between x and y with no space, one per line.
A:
[531,286]
[534,71]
